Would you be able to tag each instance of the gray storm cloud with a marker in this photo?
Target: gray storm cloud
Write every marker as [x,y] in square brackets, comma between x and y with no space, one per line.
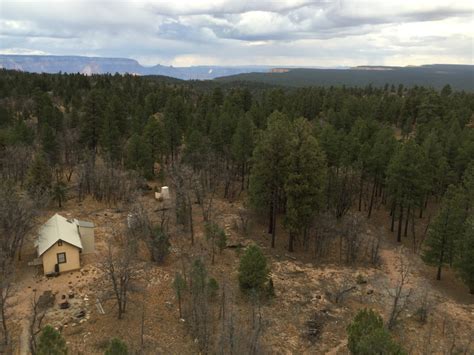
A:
[243,32]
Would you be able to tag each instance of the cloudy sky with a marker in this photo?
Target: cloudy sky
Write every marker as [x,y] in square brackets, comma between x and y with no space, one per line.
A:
[236,32]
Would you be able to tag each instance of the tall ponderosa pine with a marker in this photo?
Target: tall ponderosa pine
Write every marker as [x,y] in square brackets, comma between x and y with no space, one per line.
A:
[51,342]
[110,135]
[305,181]
[39,175]
[92,121]
[174,123]
[243,143]
[270,168]
[445,231]
[406,181]
[139,156]
[155,136]
[465,260]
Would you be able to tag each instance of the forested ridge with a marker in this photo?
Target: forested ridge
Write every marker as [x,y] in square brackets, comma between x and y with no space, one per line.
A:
[305,157]
[460,77]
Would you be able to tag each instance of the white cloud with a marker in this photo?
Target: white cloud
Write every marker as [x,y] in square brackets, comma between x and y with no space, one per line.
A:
[284,32]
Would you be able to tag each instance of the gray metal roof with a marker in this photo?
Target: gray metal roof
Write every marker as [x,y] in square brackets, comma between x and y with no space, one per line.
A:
[84,224]
[57,228]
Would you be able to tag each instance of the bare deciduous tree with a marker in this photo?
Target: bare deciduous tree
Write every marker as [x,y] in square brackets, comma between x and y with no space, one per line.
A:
[17,218]
[399,294]
[120,270]
[38,313]
[106,183]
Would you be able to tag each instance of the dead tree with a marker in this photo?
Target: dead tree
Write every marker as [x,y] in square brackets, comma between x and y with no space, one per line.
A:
[120,270]
[17,218]
[239,333]
[37,315]
[400,295]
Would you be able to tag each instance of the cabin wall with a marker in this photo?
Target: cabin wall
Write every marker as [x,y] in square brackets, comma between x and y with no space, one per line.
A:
[72,258]
[87,239]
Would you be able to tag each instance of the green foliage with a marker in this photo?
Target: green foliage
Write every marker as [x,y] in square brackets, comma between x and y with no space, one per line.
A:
[253,270]
[198,277]
[367,335]
[110,134]
[212,287]
[39,175]
[160,245]
[116,347]
[305,181]
[270,161]
[405,178]
[216,236]
[179,284]
[91,123]
[59,192]
[139,156]
[50,144]
[155,137]
[51,342]
[445,230]
[465,261]
[243,140]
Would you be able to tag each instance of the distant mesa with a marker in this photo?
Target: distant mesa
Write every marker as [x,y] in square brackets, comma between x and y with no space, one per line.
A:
[101,65]
[279,70]
[370,67]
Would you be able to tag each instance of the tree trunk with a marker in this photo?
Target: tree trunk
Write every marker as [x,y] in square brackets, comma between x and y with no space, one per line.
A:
[361,187]
[274,211]
[372,197]
[406,221]
[270,219]
[392,213]
[290,242]
[400,220]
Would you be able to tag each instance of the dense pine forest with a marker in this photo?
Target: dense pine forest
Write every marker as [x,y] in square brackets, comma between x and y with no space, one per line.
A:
[310,165]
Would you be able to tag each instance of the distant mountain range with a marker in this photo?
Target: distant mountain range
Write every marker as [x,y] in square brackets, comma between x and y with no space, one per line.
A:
[98,65]
[460,77]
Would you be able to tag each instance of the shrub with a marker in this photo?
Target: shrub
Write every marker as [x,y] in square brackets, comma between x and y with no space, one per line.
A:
[51,342]
[160,245]
[116,347]
[212,287]
[253,270]
[367,335]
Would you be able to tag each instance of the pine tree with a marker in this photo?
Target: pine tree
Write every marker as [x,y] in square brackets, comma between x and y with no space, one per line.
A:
[110,135]
[139,156]
[59,192]
[444,232]
[216,236]
[116,347]
[253,270]
[174,122]
[305,182]
[406,180]
[179,285]
[50,144]
[155,136]
[465,261]
[51,342]
[92,120]
[243,144]
[39,175]
[270,168]
[367,335]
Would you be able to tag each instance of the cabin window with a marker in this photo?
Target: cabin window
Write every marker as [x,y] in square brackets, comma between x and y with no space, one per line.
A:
[61,258]
[60,243]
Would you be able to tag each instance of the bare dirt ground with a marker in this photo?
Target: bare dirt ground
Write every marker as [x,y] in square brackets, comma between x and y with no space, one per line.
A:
[303,287]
